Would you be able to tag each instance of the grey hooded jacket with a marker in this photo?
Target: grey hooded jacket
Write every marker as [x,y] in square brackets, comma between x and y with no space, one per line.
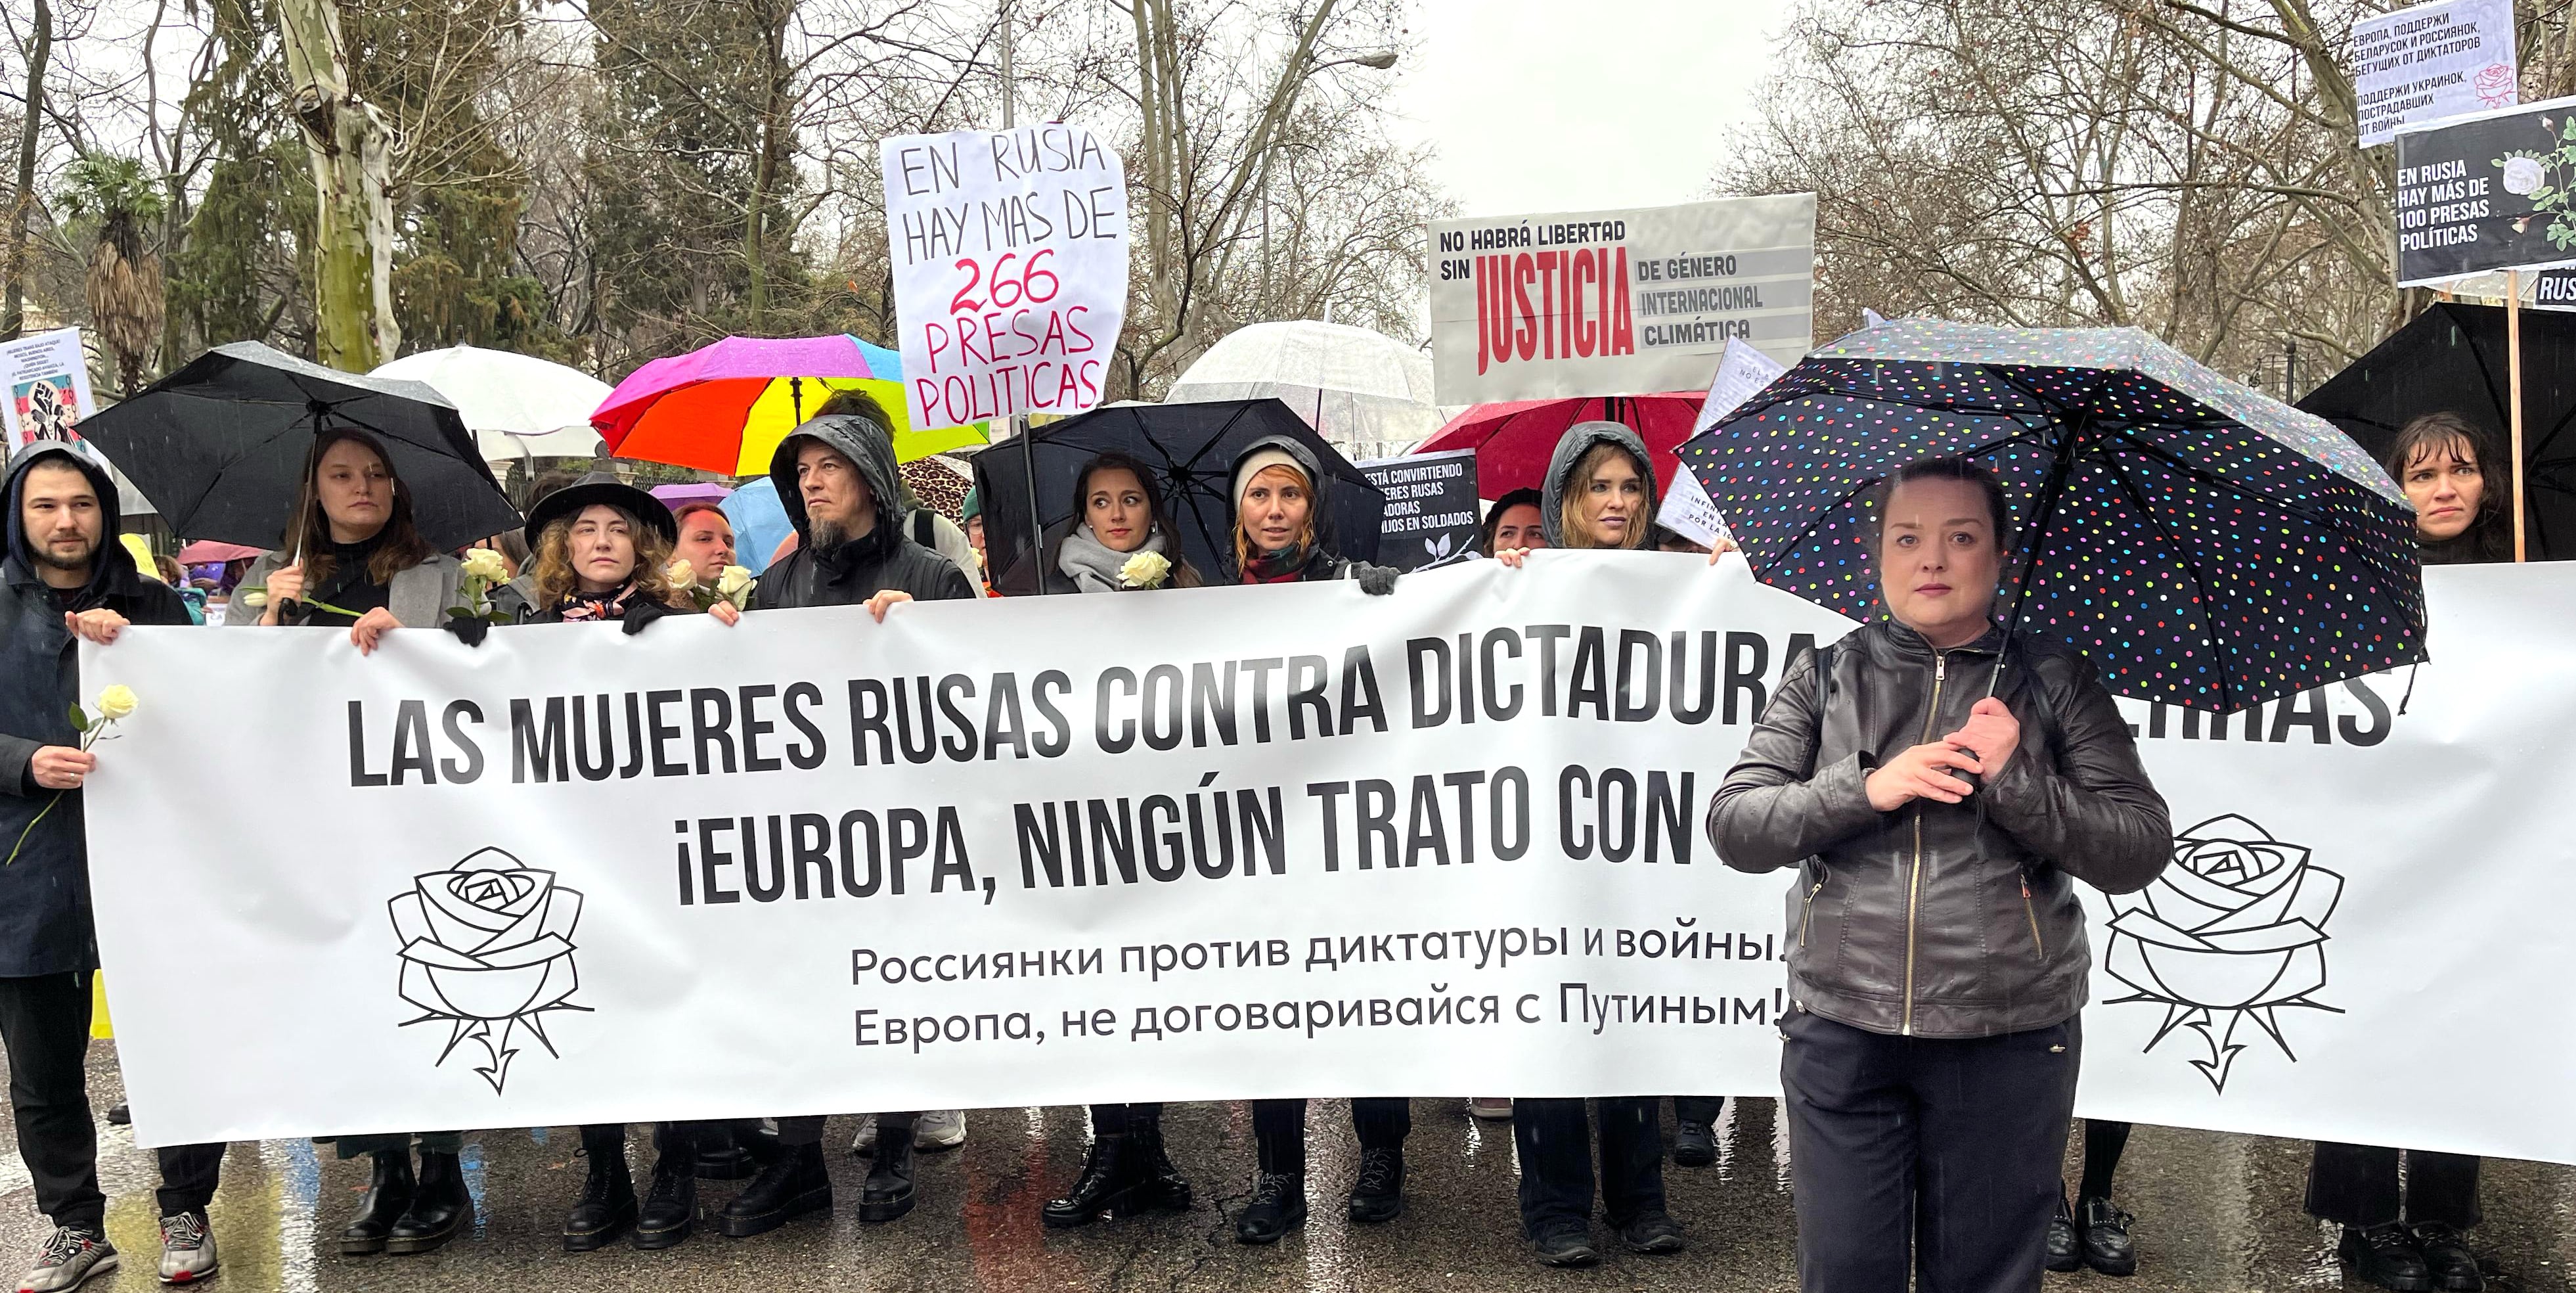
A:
[1570,448]
[884,558]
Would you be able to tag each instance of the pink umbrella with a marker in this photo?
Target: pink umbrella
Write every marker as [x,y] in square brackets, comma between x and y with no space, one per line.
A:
[205,550]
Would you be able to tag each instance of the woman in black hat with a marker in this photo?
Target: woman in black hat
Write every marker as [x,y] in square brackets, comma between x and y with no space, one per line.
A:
[600,551]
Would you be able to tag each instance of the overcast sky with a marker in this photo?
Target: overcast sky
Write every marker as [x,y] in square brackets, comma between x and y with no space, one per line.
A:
[1544,105]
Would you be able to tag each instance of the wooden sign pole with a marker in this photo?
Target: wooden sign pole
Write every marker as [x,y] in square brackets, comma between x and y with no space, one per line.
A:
[2513,392]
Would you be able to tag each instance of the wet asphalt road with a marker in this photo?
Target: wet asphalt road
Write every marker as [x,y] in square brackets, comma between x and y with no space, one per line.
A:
[2216,1212]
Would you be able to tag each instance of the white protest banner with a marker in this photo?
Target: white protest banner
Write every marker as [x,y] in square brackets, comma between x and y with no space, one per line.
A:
[2431,61]
[48,387]
[1010,269]
[430,935]
[1617,302]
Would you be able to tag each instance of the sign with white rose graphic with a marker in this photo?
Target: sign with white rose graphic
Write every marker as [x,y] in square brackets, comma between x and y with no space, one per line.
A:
[2232,932]
[487,950]
[2486,192]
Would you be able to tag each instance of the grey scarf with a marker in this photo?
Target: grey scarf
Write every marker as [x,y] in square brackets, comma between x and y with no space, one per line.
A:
[1094,565]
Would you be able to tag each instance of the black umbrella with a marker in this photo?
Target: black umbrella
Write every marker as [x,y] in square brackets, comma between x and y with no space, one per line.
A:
[2451,359]
[1191,448]
[221,447]
[2203,544]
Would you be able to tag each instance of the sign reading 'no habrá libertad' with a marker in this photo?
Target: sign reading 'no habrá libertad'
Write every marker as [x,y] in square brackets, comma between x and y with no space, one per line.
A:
[1010,269]
[1617,302]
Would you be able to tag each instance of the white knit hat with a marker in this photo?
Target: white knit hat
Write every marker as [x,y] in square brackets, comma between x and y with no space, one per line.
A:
[1261,459]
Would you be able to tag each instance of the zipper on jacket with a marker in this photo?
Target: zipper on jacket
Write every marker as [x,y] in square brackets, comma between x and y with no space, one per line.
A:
[1808,916]
[2033,913]
[1914,883]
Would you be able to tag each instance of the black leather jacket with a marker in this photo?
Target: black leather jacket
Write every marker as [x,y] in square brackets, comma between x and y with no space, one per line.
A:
[1941,920]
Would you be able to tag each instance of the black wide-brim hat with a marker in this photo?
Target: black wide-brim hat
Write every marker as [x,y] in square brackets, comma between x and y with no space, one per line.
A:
[600,487]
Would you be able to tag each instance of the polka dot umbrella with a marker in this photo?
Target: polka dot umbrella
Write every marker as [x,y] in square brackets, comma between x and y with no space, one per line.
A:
[2203,544]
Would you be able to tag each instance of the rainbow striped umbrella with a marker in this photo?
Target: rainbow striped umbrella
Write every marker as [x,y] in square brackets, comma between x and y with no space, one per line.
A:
[725,407]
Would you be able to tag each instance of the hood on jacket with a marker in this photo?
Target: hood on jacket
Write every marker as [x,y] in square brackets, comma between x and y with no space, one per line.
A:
[864,443]
[1570,448]
[109,567]
[1317,484]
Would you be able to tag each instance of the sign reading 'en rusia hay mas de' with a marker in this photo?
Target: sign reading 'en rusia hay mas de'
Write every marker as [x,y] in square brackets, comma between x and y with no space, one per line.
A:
[1617,302]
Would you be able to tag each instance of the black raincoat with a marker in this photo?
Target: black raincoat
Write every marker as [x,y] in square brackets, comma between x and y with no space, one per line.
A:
[44,894]
[860,568]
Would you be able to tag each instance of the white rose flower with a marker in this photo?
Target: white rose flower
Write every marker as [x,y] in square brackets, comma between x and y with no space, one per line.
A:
[683,575]
[485,564]
[116,702]
[254,598]
[734,581]
[1146,569]
[2522,176]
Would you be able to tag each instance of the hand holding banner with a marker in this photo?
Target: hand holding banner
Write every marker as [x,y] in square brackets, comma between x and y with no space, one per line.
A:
[1010,269]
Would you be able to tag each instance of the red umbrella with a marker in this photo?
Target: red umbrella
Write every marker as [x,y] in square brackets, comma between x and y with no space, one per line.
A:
[1514,440]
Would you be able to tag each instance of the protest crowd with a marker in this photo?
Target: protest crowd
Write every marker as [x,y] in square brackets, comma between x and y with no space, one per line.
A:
[2015,531]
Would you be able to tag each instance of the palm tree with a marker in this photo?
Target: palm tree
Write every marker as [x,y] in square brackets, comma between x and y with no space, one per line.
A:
[124,282]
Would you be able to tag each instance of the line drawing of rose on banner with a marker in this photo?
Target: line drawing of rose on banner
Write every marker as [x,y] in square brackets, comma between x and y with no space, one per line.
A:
[2233,930]
[486,944]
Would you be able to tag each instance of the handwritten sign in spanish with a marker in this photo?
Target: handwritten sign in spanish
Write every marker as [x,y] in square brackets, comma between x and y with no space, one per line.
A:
[1010,269]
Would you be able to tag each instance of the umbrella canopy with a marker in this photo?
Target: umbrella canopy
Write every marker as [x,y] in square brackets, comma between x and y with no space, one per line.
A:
[1513,440]
[725,407]
[2451,359]
[220,446]
[1191,448]
[760,523]
[939,483]
[205,550]
[1361,390]
[517,406]
[691,492]
[2203,544]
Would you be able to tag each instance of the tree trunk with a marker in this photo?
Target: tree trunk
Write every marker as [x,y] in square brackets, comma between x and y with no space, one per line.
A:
[350,148]
[13,304]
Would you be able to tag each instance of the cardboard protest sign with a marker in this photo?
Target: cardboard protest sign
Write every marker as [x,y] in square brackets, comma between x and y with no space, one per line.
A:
[2486,192]
[1617,302]
[48,388]
[1010,269]
[1430,517]
[2421,64]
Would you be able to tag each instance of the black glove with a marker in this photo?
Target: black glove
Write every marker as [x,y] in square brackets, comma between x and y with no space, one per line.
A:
[469,629]
[1376,581]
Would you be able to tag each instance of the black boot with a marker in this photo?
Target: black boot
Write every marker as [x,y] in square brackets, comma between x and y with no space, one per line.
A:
[1159,1185]
[2106,1238]
[671,1204]
[2448,1260]
[606,1208]
[1378,1193]
[389,1191]
[2065,1247]
[1277,1206]
[721,1154]
[439,1208]
[2386,1256]
[888,1192]
[1107,1185]
[788,1186]
[1694,1145]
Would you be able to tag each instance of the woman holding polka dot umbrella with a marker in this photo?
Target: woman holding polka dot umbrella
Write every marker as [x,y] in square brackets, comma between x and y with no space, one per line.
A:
[2202,544]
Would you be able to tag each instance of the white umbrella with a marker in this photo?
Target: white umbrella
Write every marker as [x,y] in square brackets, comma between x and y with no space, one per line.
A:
[517,406]
[1365,392]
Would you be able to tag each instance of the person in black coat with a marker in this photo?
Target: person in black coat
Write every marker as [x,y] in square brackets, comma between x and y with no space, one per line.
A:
[67,579]
[837,480]
[2409,1230]
[1283,535]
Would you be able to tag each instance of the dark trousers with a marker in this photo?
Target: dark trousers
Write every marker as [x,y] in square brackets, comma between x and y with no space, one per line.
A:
[44,1023]
[1701,1109]
[807,1129]
[1937,1154]
[1123,1119]
[1555,1142]
[1279,1129]
[677,1141]
[2357,1185]
[400,1142]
